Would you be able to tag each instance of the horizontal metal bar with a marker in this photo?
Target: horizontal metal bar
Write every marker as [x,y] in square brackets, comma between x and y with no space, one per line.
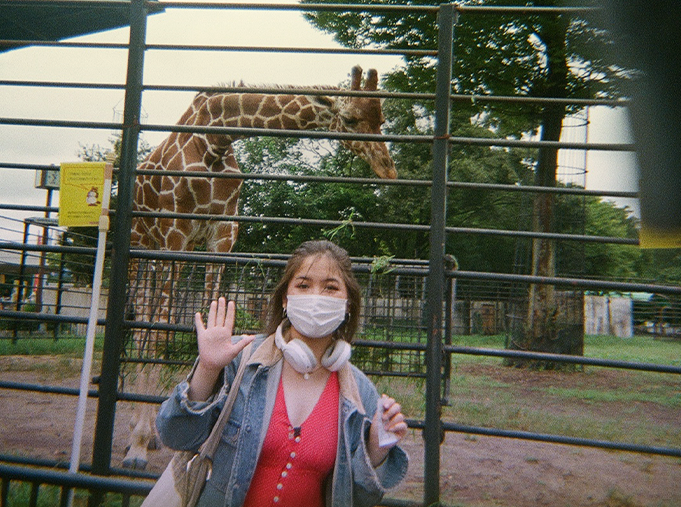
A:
[539,100]
[62,84]
[84,467]
[543,190]
[382,225]
[284,177]
[334,92]
[559,439]
[475,141]
[561,358]
[432,9]
[482,9]
[31,247]
[25,122]
[74,391]
[138,488]
[45,317]
[542,235]
[98,4]
[572,283]
[71,480]
[404,182]
[516,143]
[283,49]
[63,44]
[251,132]
[236,258]
[40,167]
[40,388]
[280,220]
[316,91]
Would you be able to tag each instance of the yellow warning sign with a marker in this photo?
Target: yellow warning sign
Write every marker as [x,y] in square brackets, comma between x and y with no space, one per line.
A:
[81,191]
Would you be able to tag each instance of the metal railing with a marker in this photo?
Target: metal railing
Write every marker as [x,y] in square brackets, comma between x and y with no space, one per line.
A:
[438,275]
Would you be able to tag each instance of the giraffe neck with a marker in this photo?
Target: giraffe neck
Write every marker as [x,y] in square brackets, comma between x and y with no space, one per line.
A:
[255,110]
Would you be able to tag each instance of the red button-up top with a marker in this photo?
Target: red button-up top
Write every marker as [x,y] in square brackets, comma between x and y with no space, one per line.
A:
[294,462]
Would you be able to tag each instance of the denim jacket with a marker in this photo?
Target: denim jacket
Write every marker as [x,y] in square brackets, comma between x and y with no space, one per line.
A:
[185,424]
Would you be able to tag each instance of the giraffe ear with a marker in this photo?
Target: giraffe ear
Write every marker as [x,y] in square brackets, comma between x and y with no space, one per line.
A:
[371,83]
[356,78]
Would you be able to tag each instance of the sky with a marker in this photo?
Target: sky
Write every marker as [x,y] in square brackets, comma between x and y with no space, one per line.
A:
[47,145]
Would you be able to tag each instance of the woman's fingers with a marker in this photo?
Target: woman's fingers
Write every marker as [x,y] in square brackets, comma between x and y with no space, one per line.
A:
[212,314]
[198,322]
[220,318]
[230,316]
[393,417]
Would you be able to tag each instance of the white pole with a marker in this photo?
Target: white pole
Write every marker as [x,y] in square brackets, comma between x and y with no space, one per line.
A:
[91,327]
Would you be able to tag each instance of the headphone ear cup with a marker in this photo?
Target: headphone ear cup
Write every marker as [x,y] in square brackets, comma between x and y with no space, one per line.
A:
[336,355]
[300,356]
[296,353]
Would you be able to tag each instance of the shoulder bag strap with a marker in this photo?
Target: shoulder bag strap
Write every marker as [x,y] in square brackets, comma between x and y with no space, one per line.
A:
[210,445]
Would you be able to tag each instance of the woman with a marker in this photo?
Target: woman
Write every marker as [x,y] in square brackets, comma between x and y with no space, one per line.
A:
[307,427]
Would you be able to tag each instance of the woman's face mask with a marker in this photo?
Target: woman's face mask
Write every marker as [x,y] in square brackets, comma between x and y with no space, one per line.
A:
[315,316]
[316,298]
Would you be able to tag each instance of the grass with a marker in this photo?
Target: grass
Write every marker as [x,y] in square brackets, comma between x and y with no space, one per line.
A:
[644,349]
[19,494]
[597,403]
[31,346]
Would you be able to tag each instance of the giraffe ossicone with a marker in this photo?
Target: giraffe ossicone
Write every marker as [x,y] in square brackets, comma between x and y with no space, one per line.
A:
[213,153]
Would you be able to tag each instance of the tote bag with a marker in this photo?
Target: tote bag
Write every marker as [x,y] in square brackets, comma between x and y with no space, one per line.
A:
[183,480]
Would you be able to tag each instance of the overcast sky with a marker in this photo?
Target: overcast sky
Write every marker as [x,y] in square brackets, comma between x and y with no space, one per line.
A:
[45,145]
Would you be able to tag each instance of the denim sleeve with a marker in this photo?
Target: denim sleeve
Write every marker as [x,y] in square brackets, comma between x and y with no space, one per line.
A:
[371,482]
[183,424]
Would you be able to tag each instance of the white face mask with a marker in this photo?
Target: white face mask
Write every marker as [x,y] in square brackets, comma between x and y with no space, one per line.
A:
[315,316]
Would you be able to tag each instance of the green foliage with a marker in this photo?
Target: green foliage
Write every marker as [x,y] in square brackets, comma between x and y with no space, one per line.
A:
[494,54]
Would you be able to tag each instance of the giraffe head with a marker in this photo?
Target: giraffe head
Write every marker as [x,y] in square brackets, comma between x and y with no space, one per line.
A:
[363,115]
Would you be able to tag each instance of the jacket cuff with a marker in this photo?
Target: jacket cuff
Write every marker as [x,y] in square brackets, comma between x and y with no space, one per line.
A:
[193,407]
[387,475]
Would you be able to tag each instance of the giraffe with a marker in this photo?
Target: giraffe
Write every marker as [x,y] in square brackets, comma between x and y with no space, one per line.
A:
[213,153]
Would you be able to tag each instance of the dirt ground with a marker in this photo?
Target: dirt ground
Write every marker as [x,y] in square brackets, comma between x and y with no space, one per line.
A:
[477,471]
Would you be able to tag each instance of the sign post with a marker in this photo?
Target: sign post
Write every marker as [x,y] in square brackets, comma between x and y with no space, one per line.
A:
[85,192]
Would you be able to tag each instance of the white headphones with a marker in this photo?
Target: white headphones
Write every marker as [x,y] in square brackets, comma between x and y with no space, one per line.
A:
[303,360]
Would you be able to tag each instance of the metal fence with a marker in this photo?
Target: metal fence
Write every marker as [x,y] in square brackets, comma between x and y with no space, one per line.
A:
[411,314]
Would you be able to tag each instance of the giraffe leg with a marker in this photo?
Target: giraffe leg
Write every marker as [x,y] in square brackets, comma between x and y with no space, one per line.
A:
[142,428]
[142,437]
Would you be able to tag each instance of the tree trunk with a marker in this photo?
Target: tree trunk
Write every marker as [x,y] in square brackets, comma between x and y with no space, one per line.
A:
[552,323]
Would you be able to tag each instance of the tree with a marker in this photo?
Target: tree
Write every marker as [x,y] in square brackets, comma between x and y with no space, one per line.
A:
[555,56]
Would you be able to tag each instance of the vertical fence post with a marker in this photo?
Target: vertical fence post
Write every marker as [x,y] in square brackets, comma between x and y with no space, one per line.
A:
[436,273]
[113,334]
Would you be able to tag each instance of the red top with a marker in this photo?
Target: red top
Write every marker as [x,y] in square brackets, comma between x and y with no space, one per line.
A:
[294,462]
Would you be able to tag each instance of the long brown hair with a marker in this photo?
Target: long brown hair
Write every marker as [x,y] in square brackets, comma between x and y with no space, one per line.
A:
[348,328]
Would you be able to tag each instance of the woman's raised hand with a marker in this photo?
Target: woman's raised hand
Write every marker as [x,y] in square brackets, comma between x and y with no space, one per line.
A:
[216,349]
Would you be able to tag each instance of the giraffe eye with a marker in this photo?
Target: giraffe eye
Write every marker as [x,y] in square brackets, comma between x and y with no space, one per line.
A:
[350,120]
